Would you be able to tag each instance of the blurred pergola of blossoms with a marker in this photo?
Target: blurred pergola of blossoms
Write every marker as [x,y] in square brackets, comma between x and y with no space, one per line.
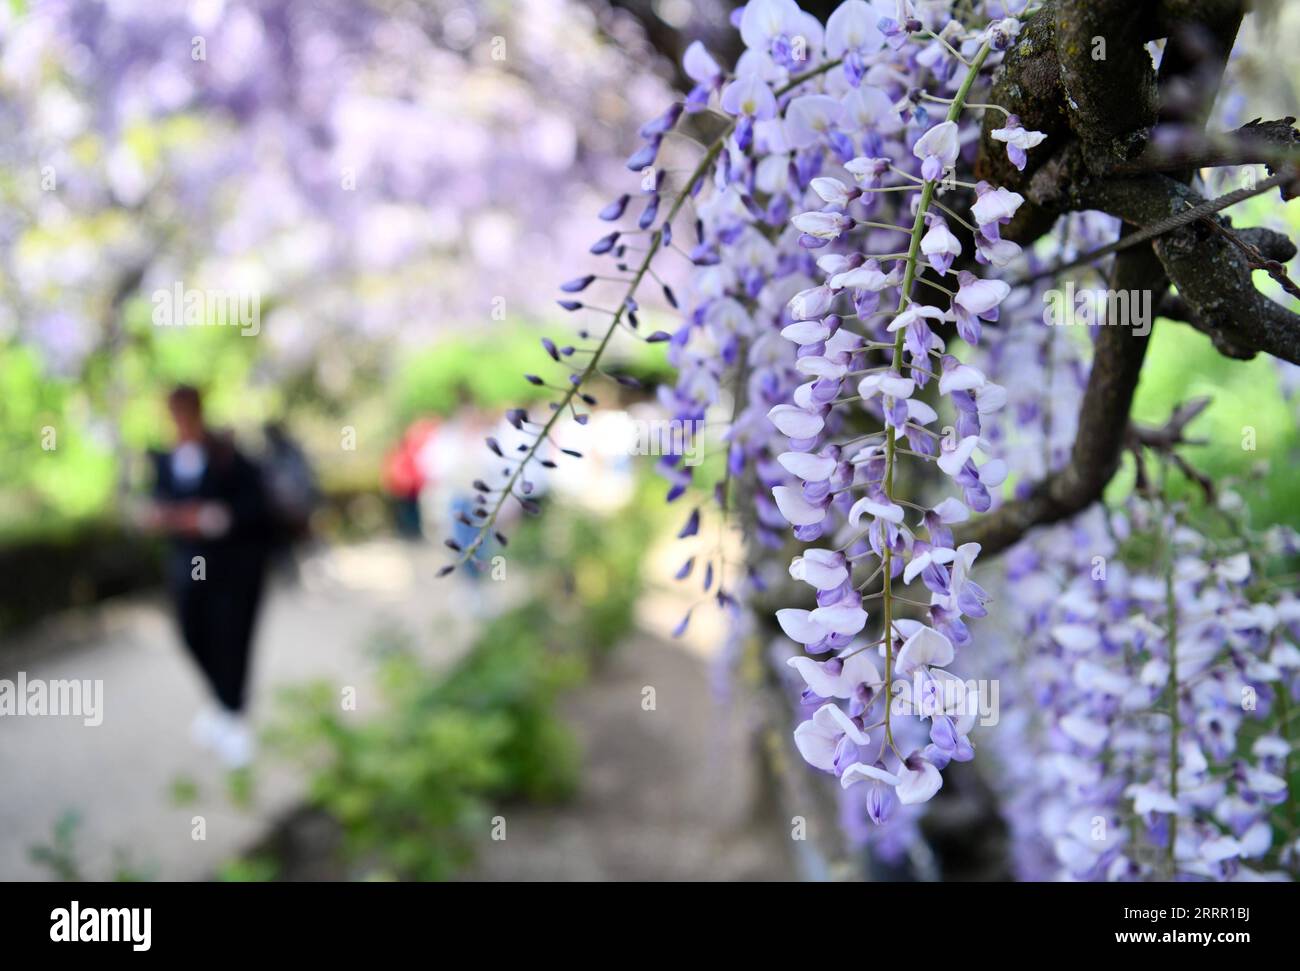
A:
[377,172]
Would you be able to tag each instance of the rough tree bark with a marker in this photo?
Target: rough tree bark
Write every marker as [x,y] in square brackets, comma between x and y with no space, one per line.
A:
[1100,116]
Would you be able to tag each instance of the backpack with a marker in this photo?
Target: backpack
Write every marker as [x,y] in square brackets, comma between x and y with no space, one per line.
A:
[292,493]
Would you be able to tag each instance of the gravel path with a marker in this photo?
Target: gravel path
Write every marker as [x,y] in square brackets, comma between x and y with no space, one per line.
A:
[136,781]
[668,794]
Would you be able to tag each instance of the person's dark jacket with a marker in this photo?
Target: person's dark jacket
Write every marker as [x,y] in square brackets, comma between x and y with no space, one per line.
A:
[232,480]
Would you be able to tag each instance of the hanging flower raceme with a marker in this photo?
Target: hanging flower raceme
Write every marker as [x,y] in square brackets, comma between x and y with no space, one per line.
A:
[838,314]
[1123,668]
[1146,661]
[867,347]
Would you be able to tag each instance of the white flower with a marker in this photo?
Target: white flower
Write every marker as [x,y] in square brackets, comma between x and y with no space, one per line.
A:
[797,510]
[1264,783]
[1088,733]
[1271,746]
[811,303]
[960,377]
[952,510]
[1257,839]
[1018,136]
[1002,32]
[861,772]
[886,382]
[820,569]
[980,296]
[890,512]
[822,224]
[1220,848]
[831,191]
[808,119]
[1285,656]
[951,460]
[821,367]
[772,175]
[1078,638]
[852,27]
[763,21]
[806,466]
[940,246]
[833,263]
[989,398]
[1234,569]
[806,332]
[918,784]
[919,412]
[799,626]
[751,96]
[1091,676]
[994,473]
[995,252]
[996,205]
[795,422]
[1147,798]
[854,669]
[918,564]
[699,64]
[914,313]
[867,172]
[938,149]
[926,647]
[865,277]
[870,108]
[819,737]
[841,618]
[802,396]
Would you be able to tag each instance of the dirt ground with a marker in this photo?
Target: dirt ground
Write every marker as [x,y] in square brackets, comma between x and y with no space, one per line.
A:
[673,793]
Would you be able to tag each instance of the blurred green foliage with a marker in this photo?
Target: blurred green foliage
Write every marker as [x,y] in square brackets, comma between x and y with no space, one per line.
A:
[61,857]
[413,786]
[1247,406]
[253,869]
[70,472]
[487,371]
[108,414]
[71,564]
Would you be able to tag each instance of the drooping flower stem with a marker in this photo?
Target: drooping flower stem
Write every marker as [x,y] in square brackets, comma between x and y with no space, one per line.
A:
[1284,729]
[905,294]
[586,372]
[652,249]
[799,79]
[1171,621]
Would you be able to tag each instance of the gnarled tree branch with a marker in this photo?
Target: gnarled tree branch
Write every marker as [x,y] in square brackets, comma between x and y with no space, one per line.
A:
[1212,275]
[1103,424]
[1258,142]
[1099,123]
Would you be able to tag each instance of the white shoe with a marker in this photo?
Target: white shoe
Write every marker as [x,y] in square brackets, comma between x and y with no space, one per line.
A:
[207,727]
[235,744]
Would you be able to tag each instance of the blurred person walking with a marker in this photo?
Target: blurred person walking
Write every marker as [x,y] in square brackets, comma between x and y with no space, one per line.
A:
[404,478]
[209,500]
[292,493]
[449,464]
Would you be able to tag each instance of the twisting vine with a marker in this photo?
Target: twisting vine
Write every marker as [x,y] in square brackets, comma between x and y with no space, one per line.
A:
[487,517]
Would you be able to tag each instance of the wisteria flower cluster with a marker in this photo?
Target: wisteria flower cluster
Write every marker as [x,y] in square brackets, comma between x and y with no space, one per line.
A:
[843,298]
[1147,659]
[1150,739]
[866,348]
[823,218]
